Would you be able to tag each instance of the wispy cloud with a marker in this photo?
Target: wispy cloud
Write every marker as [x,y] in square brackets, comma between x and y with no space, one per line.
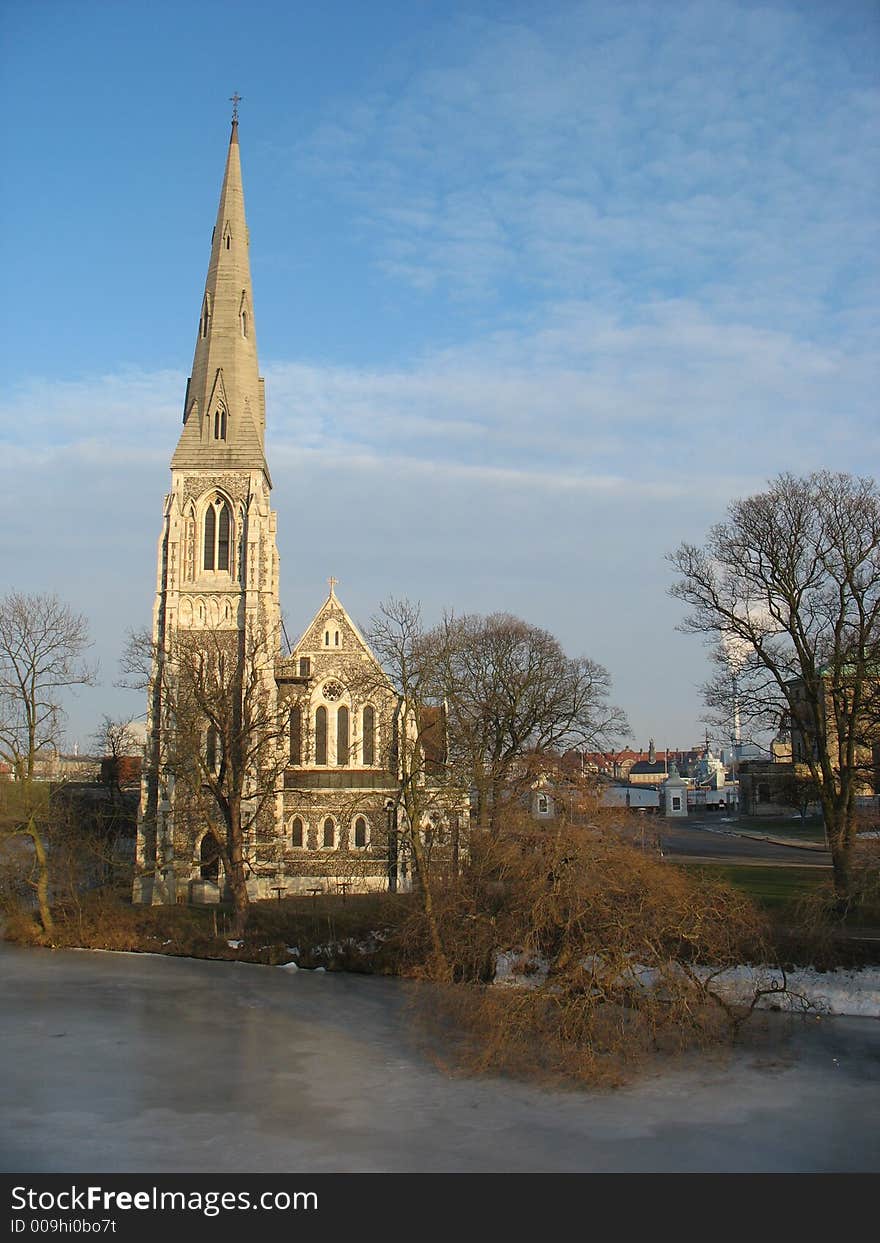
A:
[133,409]
[706,145]
[585,393]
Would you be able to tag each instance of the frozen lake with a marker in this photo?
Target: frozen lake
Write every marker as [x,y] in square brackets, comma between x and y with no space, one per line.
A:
[134,1063]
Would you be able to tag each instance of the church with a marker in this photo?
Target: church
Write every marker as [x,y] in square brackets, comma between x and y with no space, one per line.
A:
[328,799]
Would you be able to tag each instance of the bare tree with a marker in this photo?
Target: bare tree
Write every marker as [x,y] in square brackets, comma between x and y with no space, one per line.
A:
[42,646]
[114,741]
[788,591]
[218,746]
[512,692]
[427,792]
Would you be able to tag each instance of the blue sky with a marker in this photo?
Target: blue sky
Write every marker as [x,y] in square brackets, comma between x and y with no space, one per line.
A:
[538,290]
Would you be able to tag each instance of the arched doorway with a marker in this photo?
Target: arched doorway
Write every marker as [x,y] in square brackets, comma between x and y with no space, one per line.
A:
[209,858]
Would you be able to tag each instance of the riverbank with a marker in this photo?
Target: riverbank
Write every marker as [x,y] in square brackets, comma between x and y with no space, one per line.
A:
[366,935]
[357,933]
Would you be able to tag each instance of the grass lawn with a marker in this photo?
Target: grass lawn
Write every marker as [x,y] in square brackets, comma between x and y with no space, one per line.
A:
[811,829]
[774,888]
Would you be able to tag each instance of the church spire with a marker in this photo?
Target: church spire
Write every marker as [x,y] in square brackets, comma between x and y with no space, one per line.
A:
[224,415]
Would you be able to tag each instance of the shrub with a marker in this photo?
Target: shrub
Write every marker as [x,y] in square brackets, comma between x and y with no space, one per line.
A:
[614,950]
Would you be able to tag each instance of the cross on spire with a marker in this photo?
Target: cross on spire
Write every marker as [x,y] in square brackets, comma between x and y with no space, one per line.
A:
[235,100]
[332,583]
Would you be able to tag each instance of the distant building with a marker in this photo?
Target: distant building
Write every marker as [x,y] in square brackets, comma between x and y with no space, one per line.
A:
[648,773]
[634,798]
[122,771]
[54,766]
[708,771]
[866,751]
[650,767]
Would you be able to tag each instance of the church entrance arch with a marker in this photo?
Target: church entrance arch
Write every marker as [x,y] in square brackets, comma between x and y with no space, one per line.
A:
[209,858]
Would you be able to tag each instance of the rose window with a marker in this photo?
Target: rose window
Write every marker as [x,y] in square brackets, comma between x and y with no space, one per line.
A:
[332,691]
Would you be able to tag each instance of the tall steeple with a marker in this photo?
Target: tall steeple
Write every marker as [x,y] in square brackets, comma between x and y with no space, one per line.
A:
[217,570]
[225,411]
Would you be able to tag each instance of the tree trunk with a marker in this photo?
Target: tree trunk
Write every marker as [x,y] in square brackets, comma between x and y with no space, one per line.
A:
[422,881]
[839,828]
[235,869]
[839,839]
[42,878]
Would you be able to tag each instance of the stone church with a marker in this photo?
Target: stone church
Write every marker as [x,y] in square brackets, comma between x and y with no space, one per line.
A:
[331,821]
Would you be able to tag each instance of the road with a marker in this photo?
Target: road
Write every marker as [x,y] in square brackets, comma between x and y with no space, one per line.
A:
[121,1062]
[714,839]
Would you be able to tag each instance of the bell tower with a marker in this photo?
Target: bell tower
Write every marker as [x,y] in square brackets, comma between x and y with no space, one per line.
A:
[217,557]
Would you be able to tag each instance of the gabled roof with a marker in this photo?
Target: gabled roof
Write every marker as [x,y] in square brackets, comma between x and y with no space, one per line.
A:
[311,640]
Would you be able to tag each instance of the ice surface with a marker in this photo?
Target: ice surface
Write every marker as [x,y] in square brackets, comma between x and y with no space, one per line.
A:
[135,1062]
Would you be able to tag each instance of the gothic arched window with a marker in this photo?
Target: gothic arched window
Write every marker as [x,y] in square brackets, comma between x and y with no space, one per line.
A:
[220,423]
[223,539]
[218,529]
[342,736]
[296,833]
[369,736]
[321,735]
[209,858]
[329,839]
[296,736]
[210,537]
[360,832]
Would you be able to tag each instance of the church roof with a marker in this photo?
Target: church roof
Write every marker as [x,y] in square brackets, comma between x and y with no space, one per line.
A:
[224,409]
[311,639]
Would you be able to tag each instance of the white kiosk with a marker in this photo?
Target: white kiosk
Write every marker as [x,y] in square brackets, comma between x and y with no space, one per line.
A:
[675,788]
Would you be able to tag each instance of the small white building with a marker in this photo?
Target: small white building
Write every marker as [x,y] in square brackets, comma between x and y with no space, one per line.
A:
[639,798]
[674,791]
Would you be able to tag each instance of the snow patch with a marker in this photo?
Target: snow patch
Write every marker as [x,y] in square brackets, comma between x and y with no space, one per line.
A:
[843,991]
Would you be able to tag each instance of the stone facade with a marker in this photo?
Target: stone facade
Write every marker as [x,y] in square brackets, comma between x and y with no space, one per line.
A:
[332,819]
[340,786]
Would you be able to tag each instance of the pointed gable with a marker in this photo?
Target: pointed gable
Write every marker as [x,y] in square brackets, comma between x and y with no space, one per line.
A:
[332,632]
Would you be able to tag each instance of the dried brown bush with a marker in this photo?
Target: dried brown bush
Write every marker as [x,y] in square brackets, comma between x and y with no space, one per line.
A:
[615,952]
